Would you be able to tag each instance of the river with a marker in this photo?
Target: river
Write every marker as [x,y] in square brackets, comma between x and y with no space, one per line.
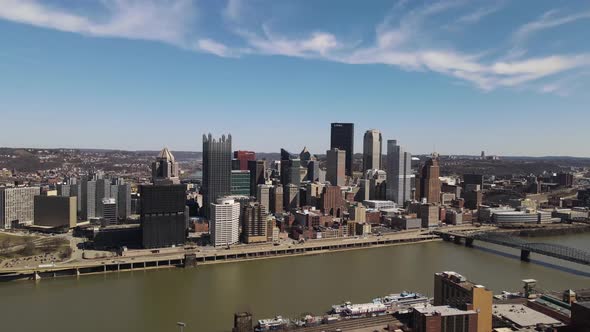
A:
[206,297]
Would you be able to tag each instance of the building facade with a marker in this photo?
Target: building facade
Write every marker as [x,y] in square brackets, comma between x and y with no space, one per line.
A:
[163,215]
[399,173]
[372,149]
[254,223]
[165,168]
[430,185]
[17,206]
[342,138]
[217,167]
[224,224]
[240,183]
[336,172]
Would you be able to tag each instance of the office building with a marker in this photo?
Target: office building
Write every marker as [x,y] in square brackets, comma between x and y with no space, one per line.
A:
[430,184]
[240,183]
[444,318]
[331,202]
[291,197]
[290,169]
[55,211]
[257,170]
[276,199]
[216,169]
[17,206]
[313,170]
[254,223]
[103,190]
[336,173]
[452,289]
[165,168]
[123,201]
[472,179]
[342,138]
[109,214]
[224,223]
[263,195]
[243,158]
[399,173]
[87,198]
[163,215]
[430,215]
[372,149]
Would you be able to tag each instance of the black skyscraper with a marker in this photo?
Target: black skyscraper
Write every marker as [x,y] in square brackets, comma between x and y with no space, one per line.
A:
[217,167]
[163,218]
[342,138]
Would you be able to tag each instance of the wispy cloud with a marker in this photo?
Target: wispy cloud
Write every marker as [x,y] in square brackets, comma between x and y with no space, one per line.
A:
[479,14]
[403,39]
[550,19]
[164,21]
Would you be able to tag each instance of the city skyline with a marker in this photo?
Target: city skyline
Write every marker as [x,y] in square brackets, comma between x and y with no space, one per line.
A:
[477,75]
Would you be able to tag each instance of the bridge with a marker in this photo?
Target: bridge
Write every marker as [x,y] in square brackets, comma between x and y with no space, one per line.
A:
[526,248]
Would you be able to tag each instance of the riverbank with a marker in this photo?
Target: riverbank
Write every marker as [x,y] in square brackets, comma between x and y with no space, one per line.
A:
[192,258]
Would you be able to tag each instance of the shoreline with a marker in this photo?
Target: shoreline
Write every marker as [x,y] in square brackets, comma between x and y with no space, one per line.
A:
[176,261]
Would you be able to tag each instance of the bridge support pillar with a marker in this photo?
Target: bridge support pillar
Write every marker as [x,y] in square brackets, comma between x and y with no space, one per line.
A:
[525,255]
[446,237]
[457,240]
[469,242]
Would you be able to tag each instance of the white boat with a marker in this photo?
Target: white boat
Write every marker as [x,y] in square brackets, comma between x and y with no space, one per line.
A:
[272,324]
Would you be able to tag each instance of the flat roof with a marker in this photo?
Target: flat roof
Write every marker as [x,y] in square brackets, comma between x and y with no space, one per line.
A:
[522,316]
[444,310]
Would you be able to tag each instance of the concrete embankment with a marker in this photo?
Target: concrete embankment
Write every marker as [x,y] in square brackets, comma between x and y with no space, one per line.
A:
[198,257]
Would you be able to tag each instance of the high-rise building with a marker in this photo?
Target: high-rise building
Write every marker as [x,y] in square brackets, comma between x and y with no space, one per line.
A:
[109,212]
[429,180]
[103,190]
[87,197]
[123,201]
[163,215]
[372,149]
[313,170]
[224,222]
[263,195]
[276,199]
[165,168]
[399,173]
[257,170]
[452,289]
[17,206]
[254,224]
[336,173]
[243,159]
[472,179]
[217,160]
[342,138]
[240,183]
[332,202]
[291,197]
[55,211]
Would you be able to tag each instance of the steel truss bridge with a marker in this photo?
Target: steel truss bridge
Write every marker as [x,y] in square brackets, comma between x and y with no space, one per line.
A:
[547,249]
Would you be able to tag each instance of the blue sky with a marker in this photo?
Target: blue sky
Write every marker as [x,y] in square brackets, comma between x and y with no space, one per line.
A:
[507,77]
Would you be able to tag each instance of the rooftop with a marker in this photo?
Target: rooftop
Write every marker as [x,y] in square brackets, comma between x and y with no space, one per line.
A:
[443,311]
[522,316]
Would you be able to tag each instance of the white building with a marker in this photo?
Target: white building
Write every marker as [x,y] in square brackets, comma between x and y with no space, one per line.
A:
[17,205]
[225,222]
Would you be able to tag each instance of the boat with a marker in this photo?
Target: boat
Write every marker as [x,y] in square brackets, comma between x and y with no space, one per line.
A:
[403,300]
[340,308]
[272,324]
[365,310]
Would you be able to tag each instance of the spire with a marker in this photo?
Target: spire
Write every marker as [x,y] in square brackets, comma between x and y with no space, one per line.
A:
[166,155]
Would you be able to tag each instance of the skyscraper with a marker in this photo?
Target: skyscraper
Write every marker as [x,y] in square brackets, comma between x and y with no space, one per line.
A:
[342,137]
[240,183]
[225,222]
[290,169]
[165,168]
[399,173]
[257,174]
[372,149]
[163,215]
[109,211]
[430,181]
[123,200]
[336,174]
[217,161]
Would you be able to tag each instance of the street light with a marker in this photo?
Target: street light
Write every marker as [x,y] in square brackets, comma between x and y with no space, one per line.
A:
[181,325]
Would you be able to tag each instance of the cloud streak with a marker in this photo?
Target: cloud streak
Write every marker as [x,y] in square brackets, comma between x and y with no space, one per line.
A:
[401,39]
